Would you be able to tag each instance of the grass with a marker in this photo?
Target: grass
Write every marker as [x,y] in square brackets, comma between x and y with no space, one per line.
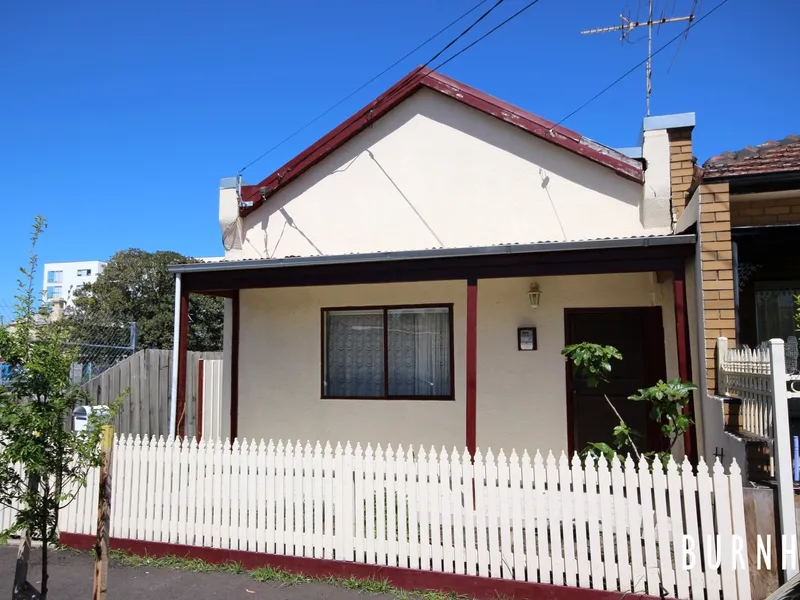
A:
[266,574]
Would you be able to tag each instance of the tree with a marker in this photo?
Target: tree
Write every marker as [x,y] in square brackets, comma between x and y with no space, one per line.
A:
[667,401]
[42,464]
[135,286]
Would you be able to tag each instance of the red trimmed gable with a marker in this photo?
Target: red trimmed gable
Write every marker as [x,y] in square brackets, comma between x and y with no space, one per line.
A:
[546,130]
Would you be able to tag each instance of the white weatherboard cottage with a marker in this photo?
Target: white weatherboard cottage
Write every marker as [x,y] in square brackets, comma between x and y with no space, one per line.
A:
[381,286]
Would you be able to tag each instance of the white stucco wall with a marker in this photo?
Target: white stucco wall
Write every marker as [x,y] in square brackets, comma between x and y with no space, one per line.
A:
[434,172]
[521,396]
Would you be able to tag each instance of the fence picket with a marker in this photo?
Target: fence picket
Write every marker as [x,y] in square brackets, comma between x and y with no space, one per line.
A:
[540,502]
[554,520]
[492,516]
[225,495]
[434,508]
[391,509]
[446,493]
[579,506]
[327,502]
[593,522]
[638,571]
[119,497]
[689,495]
[208,491]
[402,510]
[191,505]
[269,505]
[607,523]
[528,507]
[648,528]
[413,513]
[515,475]
[287,513]
[568,519]
[316,491]
[458,495]
[235,492]
[662,528]
[724,528]
[299,502]
[252,502]
[504,512]
[359,512]
[308,501]
[261,496]
[481,511]
[280,516]
[621,524]
[369,499]
[380,506]
[676,520]
[219,494]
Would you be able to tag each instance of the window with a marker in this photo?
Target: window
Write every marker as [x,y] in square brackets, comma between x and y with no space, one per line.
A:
[54,276]
[84,272]
[776,309]
[388,352]
[53,291]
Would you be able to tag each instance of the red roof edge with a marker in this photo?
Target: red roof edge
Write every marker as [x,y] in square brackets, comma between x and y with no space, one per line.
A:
[405,88]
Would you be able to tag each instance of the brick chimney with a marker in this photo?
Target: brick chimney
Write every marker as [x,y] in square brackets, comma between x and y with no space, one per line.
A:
[667,150]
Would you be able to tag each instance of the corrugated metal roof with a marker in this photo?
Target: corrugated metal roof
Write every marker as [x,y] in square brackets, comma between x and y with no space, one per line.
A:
[430,253]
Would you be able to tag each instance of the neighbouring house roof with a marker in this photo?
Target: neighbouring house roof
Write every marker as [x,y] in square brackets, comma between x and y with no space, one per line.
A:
[541,128]
[770,157]
[432,253]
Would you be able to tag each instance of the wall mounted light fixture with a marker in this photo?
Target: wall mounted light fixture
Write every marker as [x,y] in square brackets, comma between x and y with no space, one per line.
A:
[534,295]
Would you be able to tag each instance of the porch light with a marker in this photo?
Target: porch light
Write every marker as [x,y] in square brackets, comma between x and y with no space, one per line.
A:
[534,294]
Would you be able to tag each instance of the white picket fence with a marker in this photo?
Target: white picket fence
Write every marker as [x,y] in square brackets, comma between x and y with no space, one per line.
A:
[614,527]
[746,374]
[758,378]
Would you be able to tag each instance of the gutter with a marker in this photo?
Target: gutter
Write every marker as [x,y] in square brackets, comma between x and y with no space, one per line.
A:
[375,257]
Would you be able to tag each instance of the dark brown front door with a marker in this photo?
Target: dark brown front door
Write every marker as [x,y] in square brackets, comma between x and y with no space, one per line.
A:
[638,334]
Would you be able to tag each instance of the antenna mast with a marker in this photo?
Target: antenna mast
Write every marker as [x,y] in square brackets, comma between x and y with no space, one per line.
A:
[627,25]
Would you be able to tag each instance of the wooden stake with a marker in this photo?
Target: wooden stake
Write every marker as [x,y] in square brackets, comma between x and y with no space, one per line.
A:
[103,518]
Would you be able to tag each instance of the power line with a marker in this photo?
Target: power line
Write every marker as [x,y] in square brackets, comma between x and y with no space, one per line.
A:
[460,52]
[487,34]
[639,64]
[484,36]
[362,86]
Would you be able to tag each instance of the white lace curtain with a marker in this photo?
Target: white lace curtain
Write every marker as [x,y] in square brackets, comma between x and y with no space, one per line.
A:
[416,346]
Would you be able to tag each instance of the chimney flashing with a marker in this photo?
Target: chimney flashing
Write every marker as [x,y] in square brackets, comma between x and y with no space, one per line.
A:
[677,121]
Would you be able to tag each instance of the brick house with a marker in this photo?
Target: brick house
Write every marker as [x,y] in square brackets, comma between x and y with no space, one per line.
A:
[749,228]
[744,207]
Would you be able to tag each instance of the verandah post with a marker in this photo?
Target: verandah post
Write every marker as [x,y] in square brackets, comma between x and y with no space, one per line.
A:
[472,364]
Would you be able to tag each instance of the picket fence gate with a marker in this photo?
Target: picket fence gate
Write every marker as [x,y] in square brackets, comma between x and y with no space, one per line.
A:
[616,526]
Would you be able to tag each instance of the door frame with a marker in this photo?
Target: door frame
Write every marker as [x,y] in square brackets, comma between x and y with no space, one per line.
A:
[655,367]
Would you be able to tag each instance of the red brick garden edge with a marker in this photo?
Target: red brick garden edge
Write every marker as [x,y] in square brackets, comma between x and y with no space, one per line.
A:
[481,588]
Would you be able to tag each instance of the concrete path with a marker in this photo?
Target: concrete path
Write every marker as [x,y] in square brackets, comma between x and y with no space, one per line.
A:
[71,579]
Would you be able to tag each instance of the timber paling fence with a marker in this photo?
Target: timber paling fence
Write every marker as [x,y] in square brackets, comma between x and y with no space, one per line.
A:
[617,526]
[147,377]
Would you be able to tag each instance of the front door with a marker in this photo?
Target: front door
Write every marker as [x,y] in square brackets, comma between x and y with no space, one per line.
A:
[638,334]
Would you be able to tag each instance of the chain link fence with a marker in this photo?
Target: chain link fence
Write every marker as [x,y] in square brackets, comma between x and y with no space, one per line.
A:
[100,343]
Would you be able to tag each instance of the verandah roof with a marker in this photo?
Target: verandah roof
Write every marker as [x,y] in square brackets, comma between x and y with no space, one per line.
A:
[608,255]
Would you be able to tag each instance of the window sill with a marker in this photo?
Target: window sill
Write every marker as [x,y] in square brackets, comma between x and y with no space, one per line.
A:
[394,398]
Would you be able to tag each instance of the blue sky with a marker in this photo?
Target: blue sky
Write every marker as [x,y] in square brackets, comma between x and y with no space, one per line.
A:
[118,119]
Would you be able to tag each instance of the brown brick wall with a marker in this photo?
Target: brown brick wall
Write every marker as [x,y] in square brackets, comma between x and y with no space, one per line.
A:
[716,258]
[765,212]
[681,167]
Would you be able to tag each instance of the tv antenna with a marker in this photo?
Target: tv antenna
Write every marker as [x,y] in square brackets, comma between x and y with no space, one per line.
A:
[627,25]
